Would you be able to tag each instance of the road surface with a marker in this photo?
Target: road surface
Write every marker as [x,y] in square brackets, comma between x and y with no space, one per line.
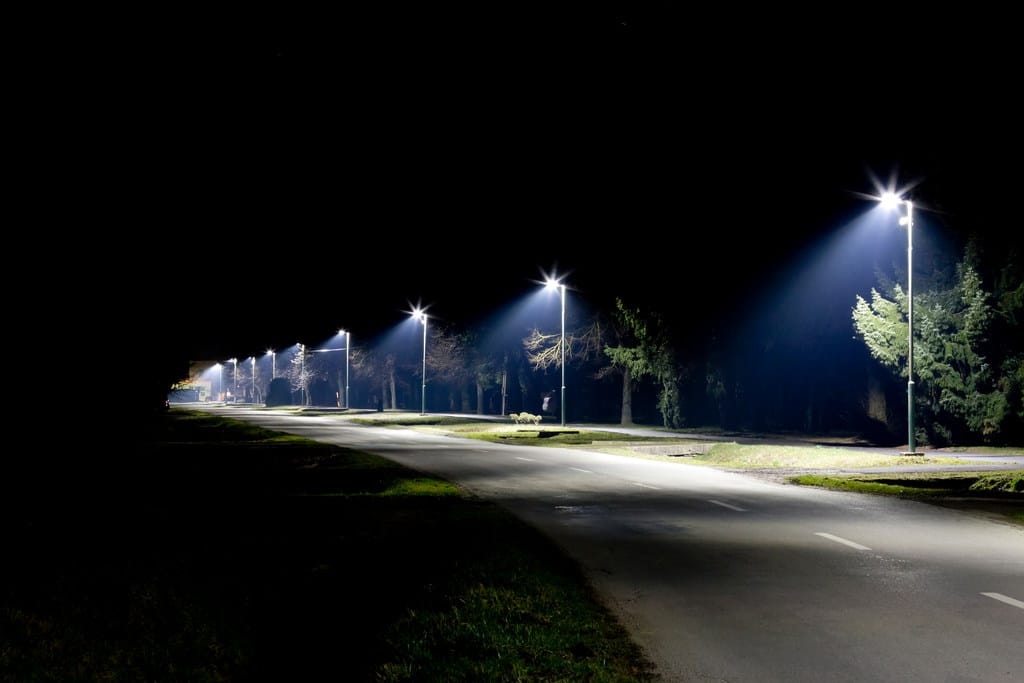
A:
[724,577]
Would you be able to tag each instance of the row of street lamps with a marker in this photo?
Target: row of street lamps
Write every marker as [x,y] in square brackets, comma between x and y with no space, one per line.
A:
[421,315]
[273,364]
[889,199]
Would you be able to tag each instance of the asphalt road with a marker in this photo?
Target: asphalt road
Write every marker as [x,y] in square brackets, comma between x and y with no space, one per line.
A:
[726,577]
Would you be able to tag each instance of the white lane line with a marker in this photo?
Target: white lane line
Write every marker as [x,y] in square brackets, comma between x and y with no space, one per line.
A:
[646,486]
[525,459]
[726,505]
[1003,598]
[581,470]
[837,539]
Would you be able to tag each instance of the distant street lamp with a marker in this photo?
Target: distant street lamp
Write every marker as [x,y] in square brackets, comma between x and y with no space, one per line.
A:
[891,200]
[348,342]
[555,284]
[252,376]
[234,374]
[302,373]
[422,317]
[221,368]
[273,363]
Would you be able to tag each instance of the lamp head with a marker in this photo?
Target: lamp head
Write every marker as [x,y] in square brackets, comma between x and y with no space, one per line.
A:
[890,200]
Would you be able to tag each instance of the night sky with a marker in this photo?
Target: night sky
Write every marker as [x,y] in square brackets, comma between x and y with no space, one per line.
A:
[298,173]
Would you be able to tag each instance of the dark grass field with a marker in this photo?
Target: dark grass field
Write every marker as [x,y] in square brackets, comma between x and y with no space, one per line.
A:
[212,551]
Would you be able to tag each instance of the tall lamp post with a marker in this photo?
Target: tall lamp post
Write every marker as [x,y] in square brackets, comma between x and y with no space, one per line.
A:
[273,363]
[890,199]
[252,377]
[234,375]
[348,343]
[302,372]
[555,284]
[420,315]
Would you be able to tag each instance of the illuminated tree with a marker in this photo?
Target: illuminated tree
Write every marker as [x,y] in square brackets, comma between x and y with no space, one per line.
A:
[965,389]
[544,351]
[644,350]
[302,373]
[633,345]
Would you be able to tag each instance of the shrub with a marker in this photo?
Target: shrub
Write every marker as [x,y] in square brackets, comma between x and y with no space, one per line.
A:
[525,418]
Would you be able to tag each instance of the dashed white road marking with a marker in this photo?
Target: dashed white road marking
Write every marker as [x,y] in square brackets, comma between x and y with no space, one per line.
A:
[581,470]
[525,459]
[1003,598]
[838,539]
[646,486]
[727,505]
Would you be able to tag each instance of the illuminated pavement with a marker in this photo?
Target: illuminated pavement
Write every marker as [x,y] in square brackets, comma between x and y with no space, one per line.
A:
[726,577]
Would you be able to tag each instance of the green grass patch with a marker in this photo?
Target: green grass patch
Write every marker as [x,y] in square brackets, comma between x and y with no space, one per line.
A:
[420,486]
[1000,482]
[806,457]
[1007,484]
[518,612]
[995,493]
[865,486]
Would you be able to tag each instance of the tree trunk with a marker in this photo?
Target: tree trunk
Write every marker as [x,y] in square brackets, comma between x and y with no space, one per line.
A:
[391,384]
[876,404]
[627,397]
[479,398]
[504,391]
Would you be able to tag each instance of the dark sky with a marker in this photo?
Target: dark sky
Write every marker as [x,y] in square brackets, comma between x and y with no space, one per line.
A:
[296,173]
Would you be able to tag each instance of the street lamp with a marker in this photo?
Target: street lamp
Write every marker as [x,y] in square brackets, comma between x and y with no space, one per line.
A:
[252,376]
[891,200]
[555,284]
[234,374]
[421,315]
[273,363]
[348,343]
[302,372]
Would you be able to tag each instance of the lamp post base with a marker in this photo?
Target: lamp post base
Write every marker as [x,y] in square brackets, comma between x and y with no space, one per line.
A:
[911,453]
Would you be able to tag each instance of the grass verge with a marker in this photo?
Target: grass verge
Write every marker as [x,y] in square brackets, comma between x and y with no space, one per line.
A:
[995,493]
[214,550]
